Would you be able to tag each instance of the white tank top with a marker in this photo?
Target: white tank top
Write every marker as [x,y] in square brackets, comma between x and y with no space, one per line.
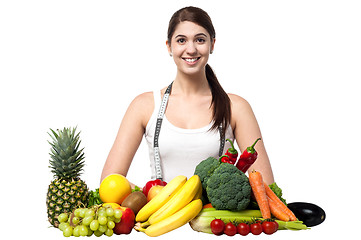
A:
[181,149]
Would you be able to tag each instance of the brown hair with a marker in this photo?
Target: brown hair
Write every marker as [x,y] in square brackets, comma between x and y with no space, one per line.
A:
[220,101]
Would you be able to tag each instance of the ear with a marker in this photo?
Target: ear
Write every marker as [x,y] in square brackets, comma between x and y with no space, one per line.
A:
[168,47]
[212,45]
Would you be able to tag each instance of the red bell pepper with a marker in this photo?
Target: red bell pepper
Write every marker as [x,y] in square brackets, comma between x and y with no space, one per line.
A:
[247,158]
[232,153]
[152,183]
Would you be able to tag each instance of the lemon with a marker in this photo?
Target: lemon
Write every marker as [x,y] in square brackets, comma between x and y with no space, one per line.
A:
[113,205]
[114,189]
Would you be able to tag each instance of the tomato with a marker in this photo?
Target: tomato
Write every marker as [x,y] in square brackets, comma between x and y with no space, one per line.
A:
[256,228]
[217,226]
[243,229]
[230,229]
[269,227]
[276,225]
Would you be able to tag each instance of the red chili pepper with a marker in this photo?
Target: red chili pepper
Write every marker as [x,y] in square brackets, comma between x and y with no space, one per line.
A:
[247,158]
[152,183]
[232,152]
[225,159]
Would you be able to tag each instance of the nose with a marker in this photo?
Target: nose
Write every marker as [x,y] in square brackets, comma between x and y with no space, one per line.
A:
[191,48]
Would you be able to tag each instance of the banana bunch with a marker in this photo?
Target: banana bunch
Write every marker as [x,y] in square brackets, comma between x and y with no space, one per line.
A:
[175,205]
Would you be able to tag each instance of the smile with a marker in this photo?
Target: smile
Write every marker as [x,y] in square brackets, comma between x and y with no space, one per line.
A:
[191,60]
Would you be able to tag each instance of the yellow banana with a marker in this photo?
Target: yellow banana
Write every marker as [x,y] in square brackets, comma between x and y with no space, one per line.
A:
[161,198]
[184,196]
[199,193]
[176,220]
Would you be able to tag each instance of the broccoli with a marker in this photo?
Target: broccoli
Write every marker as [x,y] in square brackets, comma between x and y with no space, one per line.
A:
[228,188]
[205,169]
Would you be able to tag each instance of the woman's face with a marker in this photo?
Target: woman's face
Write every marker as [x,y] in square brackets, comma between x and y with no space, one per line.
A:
[190,47]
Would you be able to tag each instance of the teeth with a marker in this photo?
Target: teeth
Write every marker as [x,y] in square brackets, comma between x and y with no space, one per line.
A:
[191,59]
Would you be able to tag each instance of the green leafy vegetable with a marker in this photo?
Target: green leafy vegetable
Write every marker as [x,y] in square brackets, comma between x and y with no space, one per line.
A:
[136,189]
[94,198]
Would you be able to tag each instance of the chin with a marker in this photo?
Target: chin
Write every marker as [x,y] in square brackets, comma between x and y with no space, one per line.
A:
[192,71]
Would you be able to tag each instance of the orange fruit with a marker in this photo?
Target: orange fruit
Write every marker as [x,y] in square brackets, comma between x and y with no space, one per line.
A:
[114,189]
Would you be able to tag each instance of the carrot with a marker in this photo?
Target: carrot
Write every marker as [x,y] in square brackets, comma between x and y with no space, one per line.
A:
[279,203]
[208,205]
[276,211]
[256,182]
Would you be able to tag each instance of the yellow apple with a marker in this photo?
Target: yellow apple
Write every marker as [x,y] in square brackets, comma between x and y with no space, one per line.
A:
[154,191]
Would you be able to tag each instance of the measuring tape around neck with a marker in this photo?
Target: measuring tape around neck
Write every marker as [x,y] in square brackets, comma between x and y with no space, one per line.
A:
[163,106]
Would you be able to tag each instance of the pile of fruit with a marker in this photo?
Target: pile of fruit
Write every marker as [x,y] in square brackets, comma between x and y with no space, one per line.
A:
[74,209]
[215,200]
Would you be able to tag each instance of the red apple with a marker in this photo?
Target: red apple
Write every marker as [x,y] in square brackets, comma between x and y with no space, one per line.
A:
[126,223]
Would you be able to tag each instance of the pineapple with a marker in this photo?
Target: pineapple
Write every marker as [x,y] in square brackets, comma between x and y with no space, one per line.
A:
[67,191]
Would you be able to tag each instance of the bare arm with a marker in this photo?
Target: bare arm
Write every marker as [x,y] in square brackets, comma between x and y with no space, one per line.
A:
[129,136]
[246,131]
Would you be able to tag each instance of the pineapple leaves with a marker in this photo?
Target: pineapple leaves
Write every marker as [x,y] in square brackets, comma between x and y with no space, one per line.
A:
[66,160]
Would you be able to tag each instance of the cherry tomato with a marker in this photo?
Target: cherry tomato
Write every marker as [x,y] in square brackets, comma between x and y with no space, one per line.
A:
[276,225]
[269,227]
[243,229]
[230,229]
[256,228]
[217,226]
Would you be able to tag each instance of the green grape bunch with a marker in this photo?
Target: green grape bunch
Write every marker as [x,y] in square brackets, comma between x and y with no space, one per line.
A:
[97,220]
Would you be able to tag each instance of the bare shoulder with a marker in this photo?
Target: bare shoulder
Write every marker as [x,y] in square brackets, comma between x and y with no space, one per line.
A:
[146,99]
[142,106]
[238,102]
[240,109]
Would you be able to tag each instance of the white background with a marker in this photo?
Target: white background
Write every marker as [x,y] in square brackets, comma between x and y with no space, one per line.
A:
[80,63]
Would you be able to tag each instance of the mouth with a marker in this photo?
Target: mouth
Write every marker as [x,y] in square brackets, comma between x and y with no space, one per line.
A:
[191,60]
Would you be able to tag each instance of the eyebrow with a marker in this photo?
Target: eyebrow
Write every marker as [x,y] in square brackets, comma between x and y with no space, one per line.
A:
[197,35]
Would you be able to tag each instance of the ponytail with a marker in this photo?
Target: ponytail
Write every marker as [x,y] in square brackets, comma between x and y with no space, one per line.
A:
[221,103]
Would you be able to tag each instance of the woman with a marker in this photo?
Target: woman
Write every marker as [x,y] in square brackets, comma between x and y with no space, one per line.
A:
[197,115]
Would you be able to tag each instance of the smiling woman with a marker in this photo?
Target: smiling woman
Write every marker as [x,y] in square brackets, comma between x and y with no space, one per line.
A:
[189,120]
[192,49]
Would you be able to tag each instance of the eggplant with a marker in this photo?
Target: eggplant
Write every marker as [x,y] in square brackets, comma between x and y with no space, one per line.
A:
[310,214]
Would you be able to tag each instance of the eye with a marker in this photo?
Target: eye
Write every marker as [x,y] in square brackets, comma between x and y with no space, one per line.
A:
[181,40]
[201,40]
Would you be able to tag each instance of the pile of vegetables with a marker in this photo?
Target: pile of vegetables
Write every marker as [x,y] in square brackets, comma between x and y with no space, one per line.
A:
[229,208]
[239,219]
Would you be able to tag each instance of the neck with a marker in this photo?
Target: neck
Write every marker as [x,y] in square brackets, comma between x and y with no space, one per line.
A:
[190,84]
